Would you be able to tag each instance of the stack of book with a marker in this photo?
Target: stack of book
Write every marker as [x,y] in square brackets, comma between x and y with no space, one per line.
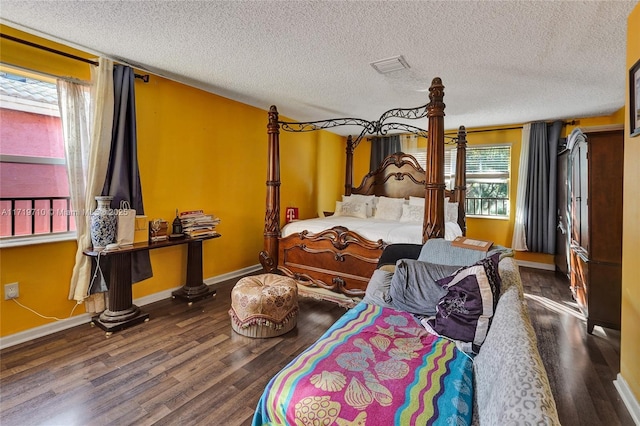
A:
[197,224]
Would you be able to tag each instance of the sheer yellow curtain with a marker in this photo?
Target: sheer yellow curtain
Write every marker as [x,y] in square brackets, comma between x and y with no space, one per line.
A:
[87,133]
[519,241]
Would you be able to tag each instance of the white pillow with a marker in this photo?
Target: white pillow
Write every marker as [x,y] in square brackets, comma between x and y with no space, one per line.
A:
[351,208]
[412,213]
[389,208]
[369,200]
[450,209]
[416,201]
[359,197]
[451,212]
[338,210]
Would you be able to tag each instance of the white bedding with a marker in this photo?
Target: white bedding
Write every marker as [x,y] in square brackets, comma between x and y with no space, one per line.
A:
[389,231]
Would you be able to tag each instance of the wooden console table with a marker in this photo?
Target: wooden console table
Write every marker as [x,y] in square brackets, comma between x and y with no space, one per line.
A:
[121,312]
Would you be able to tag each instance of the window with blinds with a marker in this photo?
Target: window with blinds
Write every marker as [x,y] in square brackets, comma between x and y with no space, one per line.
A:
[488,176]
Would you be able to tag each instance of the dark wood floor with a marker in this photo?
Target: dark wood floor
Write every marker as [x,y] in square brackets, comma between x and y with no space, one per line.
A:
[581,367]
[186,366]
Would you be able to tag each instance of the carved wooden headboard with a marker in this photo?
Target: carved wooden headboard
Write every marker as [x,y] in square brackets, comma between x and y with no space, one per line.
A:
[399,176]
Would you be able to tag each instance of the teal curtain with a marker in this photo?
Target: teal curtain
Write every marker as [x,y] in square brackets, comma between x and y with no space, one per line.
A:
[540,198]
[381,147]
[123,176]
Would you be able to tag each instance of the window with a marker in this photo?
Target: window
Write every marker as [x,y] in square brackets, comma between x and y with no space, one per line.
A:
[34,188]
[488,175]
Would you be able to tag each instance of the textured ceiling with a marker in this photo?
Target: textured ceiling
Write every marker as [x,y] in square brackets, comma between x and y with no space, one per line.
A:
[501,62]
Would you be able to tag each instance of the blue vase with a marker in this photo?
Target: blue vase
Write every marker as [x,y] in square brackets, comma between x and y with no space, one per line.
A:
[104,221]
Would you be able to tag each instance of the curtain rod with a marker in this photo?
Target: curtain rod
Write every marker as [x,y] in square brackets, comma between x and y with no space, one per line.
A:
[497,129]
[144,78]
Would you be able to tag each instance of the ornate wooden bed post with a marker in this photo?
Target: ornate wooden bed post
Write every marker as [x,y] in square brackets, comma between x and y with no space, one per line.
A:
[433,226]
[460,188]
[269,256]
[348,175]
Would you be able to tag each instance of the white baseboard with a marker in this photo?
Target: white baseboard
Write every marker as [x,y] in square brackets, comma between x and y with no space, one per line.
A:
[43,330]
[54,327]
[234,274]
[212,281]
[536,265]
[628,398]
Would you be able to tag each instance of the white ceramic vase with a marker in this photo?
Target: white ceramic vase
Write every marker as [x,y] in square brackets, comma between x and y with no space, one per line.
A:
[104,221]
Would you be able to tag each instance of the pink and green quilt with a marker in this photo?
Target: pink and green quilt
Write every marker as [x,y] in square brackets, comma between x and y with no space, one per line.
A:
[374,366]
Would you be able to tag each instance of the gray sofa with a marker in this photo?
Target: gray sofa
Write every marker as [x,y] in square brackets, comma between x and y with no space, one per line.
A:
[511,384]
[510,381]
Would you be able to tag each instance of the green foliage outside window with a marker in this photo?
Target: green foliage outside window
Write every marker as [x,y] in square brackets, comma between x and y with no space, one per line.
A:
[488,180]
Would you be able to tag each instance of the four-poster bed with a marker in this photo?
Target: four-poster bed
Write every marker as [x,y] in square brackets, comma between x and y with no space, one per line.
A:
[339,259]
[401,355]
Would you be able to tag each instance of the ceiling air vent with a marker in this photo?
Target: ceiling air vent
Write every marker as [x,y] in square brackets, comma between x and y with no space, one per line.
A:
[385,66]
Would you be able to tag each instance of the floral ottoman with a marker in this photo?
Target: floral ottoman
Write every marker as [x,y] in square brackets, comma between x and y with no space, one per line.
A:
[264,305]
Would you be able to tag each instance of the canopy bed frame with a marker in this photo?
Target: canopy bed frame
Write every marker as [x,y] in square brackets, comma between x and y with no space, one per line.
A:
[341,260]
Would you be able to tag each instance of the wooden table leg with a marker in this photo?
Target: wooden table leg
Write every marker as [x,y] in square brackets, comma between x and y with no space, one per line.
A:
[121,312]
[195,289]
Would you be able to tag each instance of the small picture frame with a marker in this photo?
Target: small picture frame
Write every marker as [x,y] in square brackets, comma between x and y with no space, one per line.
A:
[634,100]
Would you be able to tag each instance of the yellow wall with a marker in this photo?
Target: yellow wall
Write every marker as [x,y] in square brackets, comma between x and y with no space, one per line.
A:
[196,150]
[331,168]
[189,144]
[361,162]
[630,338]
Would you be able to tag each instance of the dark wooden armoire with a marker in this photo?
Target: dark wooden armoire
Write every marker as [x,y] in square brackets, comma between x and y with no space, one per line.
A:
[563,239]
[595,175]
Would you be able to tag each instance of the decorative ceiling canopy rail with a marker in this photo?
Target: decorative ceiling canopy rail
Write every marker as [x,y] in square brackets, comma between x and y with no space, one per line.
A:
[374,128]
[369,128]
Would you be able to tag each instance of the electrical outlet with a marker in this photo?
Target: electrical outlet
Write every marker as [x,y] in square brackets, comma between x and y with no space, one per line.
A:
[11,291]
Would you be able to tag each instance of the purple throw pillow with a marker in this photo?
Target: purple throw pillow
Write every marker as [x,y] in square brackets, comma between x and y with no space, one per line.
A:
[464,314]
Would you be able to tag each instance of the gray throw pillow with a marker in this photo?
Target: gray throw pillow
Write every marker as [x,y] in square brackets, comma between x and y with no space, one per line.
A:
[414,286]
[440,251]
[377,292]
